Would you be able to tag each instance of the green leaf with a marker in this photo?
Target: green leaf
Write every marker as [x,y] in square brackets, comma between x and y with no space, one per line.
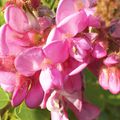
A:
[24,113]
[52,4]
[113,99]
[93,92]
[2,2]
[1,18]
[4,99]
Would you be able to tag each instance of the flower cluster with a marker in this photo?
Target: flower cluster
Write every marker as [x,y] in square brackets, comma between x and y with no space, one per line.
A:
[42,59]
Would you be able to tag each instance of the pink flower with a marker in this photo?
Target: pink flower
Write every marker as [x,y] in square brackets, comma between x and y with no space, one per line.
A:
[109,77]
[69,96]
[22,32]
[36,58]
[12,81]
[21,87]
[70,25]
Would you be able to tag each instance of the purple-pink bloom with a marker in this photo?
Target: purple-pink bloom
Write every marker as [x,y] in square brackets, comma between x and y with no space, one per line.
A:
[21,87]
[109,77]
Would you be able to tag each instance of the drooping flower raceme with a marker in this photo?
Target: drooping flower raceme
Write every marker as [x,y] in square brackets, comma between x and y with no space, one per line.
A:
[43,59]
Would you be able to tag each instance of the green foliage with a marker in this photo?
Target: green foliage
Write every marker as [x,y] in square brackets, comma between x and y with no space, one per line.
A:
[4,99]
[1,18]
[24,113]
[52,4]
[2,2]
[32,114]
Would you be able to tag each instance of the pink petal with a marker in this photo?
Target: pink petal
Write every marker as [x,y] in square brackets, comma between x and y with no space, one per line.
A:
[59,116]
[15,42]
[94,21]
[29,61]
[103,79]
[64,9]
[54,34]
[99,51]
[45,98]
[88,112]
[19,93]
[3,44]
[69,65]
[74,83]
[112,60]
[73,24]
[35,95]
[79,68]
[114,82]
[54,49]
[7,81]
[80,48]
[50,78]
[16,18]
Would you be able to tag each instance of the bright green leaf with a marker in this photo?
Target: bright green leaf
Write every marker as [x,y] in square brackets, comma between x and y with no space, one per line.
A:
[32,114]
[4,99]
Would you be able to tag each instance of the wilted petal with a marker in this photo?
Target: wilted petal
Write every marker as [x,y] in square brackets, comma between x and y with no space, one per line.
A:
[56,51]
[114,29]
[29,61]
[16,18]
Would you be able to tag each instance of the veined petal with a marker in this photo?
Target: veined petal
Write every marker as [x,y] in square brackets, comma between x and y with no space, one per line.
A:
[29,61]
[16,18]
